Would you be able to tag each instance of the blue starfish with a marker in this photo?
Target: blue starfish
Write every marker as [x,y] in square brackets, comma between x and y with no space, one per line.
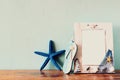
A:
[50,56]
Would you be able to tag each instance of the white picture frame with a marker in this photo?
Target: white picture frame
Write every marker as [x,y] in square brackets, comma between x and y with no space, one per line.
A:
[93,40]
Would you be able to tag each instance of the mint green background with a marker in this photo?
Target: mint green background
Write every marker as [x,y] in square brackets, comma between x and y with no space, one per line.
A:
[28,25]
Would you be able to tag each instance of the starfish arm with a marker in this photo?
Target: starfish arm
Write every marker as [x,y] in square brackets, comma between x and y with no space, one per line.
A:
[51,47]
[41,53]
[55,63]
[58,52]
[44,64]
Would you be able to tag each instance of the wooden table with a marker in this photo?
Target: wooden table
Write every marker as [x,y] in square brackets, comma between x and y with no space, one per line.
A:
[53,75]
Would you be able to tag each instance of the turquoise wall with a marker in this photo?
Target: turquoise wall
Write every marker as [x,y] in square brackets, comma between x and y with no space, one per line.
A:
[28,25]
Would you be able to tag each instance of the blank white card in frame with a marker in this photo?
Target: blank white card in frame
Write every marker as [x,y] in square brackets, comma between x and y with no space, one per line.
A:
[93,47]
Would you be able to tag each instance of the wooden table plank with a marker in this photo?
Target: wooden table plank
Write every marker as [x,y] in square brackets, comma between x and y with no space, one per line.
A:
[53,75]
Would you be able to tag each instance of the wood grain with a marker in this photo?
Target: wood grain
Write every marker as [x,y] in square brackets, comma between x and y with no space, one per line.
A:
[53,75]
